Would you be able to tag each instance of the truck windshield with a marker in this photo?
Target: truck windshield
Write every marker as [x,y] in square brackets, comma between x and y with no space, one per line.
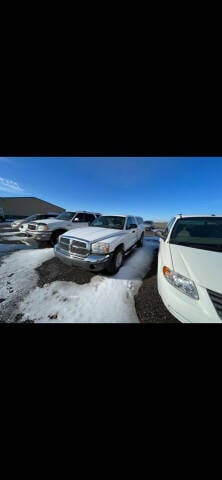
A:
[66,216]
[109,222]
[198,232]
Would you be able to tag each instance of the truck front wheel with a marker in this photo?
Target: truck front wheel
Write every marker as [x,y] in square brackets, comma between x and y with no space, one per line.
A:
[117,261]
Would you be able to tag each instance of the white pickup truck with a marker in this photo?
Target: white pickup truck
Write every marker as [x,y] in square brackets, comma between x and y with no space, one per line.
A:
[103,244]
[49,230]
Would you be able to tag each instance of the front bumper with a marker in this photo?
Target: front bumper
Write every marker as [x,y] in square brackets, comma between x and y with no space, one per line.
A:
[184,308]
[41,236]
[93,262]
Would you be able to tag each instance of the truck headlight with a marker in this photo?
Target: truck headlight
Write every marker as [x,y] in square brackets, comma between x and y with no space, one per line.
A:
[185,285]
[100,247]
[42,227]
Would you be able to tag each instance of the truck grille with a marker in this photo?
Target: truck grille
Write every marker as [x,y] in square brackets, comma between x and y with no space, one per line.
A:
[79,248]
[32,227]
[216,299]
[74,246]
[65,240]
[64,244]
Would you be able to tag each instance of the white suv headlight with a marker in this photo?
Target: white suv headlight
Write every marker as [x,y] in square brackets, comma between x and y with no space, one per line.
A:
[185,285]
[41,227]
[100,247]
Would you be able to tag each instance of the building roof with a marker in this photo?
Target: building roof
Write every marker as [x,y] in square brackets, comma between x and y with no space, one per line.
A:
[36,198]
[26,206]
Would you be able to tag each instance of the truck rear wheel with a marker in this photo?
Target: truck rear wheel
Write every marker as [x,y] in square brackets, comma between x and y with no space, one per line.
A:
[140,241]
[117,261]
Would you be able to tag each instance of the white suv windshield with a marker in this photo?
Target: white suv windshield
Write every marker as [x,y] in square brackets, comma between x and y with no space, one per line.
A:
[109,222]
[198,232]
[38,216]
[66,215]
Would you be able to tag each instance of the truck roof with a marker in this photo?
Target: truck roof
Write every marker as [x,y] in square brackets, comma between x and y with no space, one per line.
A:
[197,216]
[82,211]
[119,215]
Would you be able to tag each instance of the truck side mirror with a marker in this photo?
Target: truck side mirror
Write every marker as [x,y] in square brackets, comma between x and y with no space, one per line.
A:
[76,219]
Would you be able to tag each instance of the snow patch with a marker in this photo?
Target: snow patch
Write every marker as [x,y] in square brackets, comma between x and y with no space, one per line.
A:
[21,268]
[137,264]
[7,248]
[103,300]
[9,234]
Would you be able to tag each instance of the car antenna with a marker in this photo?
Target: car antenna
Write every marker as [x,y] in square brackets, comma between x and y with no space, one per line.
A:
[213,215]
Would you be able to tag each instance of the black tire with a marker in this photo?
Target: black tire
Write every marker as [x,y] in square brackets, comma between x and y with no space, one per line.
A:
[116,262]
[55,236]
[140,241]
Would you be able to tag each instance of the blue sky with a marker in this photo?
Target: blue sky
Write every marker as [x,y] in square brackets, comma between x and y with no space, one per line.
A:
[155,188]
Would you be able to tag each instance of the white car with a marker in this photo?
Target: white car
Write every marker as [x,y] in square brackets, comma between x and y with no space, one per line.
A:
[22,223]
[190,268]
[23,227]
[103,244]
[17,223]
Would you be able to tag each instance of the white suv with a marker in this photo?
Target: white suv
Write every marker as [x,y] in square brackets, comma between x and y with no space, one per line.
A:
[190,266]
[49,230]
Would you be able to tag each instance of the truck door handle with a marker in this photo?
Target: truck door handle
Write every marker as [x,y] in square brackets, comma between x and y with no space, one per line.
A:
[133,231]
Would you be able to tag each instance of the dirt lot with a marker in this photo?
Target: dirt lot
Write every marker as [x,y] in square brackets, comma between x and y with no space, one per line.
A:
[149,306]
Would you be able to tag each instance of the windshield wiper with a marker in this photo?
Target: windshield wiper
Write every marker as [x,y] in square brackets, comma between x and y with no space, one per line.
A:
[204,246]
[217,247]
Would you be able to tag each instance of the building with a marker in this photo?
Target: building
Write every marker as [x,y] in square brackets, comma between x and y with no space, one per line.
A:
[19,207]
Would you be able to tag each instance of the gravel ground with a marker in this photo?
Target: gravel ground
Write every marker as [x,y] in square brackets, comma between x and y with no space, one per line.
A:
[149,306]
[148,303]
[54,270]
